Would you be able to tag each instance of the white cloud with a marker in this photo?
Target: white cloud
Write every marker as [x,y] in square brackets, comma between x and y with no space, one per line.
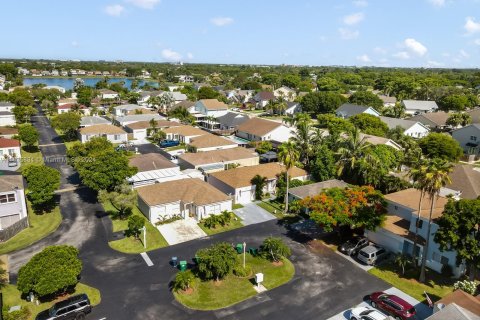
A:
[353,18]
[170,55]
[348,34]
[471,26]
[434,64]
[360,3]
[415,47]
[477,42]
[144,4]
[221,21]
[74,43]
[437,3]
[114,10]
[364,58]
[464,54]
[380,50]
[190,55]
[402,55]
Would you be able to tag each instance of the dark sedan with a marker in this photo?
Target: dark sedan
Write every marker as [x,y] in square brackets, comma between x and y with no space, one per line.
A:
[352,246]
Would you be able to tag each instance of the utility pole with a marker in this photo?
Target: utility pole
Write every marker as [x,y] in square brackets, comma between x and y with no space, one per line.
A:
[244,249]
[144,237]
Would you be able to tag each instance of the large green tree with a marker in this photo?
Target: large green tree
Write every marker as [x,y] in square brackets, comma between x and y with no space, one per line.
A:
[28,134]
[366,98]
[370,124]
[21,97]
[322,102]
[68,123]
[42,183]
[439,145]
[323,165]
[275,249]
[216,261]
[23,113]
[51,272]
[122,199]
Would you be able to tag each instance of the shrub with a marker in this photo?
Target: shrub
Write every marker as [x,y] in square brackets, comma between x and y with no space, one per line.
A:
[216,261]
[183,280]
[242,272]
[135,225]
[223,219]
[22,314]
[275,249]
[165,220]
[467,286]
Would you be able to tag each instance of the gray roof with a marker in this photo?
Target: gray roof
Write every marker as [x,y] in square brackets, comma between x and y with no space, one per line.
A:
[93,120]
[6,104]
[392,123]
[139,117]
[232,119]
[313,189]
[178,96]
[128,107]
[453,312]
[475,114]
[349,110]
[420,105]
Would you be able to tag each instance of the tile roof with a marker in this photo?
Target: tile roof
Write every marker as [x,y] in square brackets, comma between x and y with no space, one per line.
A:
[210,141]
[186,131]
[146,124]
[241,177]
[463,300]
[420,105]
[186,190]
[387,99]
[313,189]
[217,156]
[213,104]
[102,128]
[70,106]
[438,118]
[128,107]
[410,198]
[466,178]
[376,140]
[9,143]
[258,126]
[150,161]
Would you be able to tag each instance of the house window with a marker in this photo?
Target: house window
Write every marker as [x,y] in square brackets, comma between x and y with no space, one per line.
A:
[420,223]
[7,198]
[473,138]
[439,258]
[116,137]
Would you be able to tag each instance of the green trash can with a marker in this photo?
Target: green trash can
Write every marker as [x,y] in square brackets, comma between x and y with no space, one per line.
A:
[239,248]
[182,265]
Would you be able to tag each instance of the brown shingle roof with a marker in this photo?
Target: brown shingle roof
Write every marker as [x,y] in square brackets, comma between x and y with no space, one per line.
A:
[150,161]
[410,198]
[186,131]
[462,299]
[213,104]
[258,126]
[466,179]
[210,141]
[241,177]
[186,190]
[9,143]
[186,104]
[216,156]
[8,130]
[439,118]
[146,124]
[102,128]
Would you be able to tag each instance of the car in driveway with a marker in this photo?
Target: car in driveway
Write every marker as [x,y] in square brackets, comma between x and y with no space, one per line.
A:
[73,308]
[372,254]
[366,313]
[352,246]
[393,305]
[168,143]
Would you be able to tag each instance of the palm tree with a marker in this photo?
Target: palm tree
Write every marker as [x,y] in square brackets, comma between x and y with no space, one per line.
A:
[259,182]
[302,137]
[288,154]
[351,150]
[436,177]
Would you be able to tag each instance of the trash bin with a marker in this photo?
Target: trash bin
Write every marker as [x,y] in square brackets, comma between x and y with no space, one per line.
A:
[183,265]
[253,251]
[196,259]
[239,248]
[174,261]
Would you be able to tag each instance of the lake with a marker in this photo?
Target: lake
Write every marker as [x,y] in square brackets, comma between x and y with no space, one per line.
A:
[67,83]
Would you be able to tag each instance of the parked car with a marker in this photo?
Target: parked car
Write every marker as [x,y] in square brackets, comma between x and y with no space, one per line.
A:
[352,246]
[169,143]
[73,308]
[372,254]
[393,305]
[366,313]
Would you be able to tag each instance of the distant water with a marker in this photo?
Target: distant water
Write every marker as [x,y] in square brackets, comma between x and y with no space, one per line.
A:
[67,83]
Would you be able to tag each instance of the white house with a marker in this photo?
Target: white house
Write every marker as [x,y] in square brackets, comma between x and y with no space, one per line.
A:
[64,108]
[186,198]
[7,118]
[375,140]
[257,129]
[348,110]
[183,133]
[13,209]
[293,108]
[469,138]
[126,120]
[177,96]
[218,160]
[9,149]
[110,132]
[432,120]
[237,182]
[108,94]
[61,89]
[397,233]
[93,120]
[388,101]
[211,107]
[6,106]
[209,142]
[8,132]
[263,98]
[411,128]
[125,109]
[415,107]
[285,93]
[152,168]
[140,130]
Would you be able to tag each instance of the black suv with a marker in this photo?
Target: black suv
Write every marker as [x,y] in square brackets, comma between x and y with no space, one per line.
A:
[73,308]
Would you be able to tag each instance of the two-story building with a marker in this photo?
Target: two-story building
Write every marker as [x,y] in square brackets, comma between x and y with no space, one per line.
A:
[13,209]
[211,107]
[112,133]
[469,138]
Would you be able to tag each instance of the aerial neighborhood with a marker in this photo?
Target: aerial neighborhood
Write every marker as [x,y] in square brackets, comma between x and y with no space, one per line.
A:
[129,185]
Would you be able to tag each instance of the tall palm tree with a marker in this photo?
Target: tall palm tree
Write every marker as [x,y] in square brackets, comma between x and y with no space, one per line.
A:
[302,137]
[352,148]
[436,177]
[288,154]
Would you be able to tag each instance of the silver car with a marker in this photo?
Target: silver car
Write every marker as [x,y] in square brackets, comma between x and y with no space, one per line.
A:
[372,254]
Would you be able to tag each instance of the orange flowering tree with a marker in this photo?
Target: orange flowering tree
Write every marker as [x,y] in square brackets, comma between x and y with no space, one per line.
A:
[357,207]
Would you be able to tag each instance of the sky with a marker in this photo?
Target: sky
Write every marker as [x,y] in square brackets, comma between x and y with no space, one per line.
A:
[396,33]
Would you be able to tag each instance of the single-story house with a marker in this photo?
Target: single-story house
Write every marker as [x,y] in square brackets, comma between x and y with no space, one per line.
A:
[310,190]
[8,132]
[375,140]
[285,93]
[415,107]
[7,118]
[125,120]
[209,142]
[211,107]
[93,120]
[258,129]
[469,138]
[348,110]
[124,109]
[387,100]
[187,104]
[263,98]
[112,133]
[237,182]
[6,106]
[9,149]
[108,94]
[64,108]
[13,209]
[432,120]
[397,233]
[218,160]
[293,108]
[457,305]
[177,96]
[140,129]
[186,198]
[410,128]
[183,133]
[152,168]
[465,182]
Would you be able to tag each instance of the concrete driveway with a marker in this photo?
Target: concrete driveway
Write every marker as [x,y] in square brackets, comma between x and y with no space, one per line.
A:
[252,214]
[181,231]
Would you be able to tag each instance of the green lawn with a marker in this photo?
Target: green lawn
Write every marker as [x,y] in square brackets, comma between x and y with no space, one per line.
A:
[235,224]
[211,295]
[155,239]
[237,206]
[437,286]
[30,157]
[68,143]
[12,297]
[274,208]
[41,225]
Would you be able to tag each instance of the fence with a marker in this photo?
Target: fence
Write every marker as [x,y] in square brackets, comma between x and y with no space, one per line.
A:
[12,230]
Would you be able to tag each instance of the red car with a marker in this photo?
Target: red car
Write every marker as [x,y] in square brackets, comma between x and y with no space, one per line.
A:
[393,305]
